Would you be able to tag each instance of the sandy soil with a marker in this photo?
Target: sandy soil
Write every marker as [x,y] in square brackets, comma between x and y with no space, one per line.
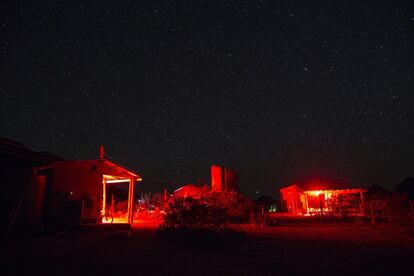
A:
[290,250]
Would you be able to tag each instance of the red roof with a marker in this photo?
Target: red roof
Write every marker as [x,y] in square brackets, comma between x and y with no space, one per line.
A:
[188,191]
[15,154]
[322,184]
[104,166]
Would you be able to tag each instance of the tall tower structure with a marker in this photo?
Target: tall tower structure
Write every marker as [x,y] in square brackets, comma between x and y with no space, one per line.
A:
[223,179]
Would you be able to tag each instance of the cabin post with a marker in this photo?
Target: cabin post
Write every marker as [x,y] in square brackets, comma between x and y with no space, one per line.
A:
[131,200]
[321,203]
[307,203]
[103,210]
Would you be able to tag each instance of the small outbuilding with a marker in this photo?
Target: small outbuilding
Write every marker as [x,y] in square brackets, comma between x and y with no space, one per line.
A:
[85,190]
[321,196]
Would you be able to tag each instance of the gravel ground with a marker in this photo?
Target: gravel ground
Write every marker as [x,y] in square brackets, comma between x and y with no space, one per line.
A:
[291,249]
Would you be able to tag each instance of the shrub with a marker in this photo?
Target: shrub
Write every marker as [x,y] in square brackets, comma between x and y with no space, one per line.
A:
[196,214]
[204,220]
[344,205]
[238,207]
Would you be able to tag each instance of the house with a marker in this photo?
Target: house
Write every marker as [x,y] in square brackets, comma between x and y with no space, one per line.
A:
[321,196]
[43,191]
[16,175]
[82,191]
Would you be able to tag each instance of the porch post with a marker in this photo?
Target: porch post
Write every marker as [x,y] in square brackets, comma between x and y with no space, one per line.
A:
[320,203]
[131,200]
[307,203]
[103,211]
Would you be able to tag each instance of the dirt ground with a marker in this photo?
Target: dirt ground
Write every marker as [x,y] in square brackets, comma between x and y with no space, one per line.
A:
[289,250]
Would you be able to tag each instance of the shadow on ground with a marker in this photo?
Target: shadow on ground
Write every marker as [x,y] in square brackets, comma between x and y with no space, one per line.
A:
[322,250]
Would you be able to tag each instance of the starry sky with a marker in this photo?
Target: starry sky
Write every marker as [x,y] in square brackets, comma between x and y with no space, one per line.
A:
[278,91]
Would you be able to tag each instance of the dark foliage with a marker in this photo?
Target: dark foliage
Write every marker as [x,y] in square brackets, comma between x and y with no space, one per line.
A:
[212,211]
[267,202]
[345,205]
[376,191]
[202,220]
[196,214]
[406,187]
[238,207]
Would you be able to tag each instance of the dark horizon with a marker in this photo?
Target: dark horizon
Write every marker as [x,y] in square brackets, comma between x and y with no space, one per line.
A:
[278,92]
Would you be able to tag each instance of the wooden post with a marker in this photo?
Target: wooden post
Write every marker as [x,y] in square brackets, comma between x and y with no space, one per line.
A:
[307,203]
[103,211]
[131,200]
[112,210]
[321,204]
[362,202]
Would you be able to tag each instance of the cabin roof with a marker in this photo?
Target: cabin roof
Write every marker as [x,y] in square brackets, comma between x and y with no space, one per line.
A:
[103,166]
[321,185]
[13,153]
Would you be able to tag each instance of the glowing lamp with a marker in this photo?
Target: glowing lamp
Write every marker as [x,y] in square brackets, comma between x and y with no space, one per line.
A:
[316,193]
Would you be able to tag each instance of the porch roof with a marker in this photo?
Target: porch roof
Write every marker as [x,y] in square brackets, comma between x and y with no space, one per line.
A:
[324,185]
[103,166]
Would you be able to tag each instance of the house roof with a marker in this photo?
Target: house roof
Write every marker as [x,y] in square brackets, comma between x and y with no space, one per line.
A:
[322,185]
[103,166]
[14,154]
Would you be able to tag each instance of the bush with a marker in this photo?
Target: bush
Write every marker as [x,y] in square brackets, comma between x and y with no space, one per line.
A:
[398,209]
[392,207]
[213,210]
[203,220]
[345,205]
[238,207]
[196,214]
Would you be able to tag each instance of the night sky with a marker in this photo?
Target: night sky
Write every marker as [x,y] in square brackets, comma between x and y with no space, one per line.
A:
[278,92]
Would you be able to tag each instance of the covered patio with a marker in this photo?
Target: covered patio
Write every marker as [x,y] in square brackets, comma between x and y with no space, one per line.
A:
[322,197]
[87,191]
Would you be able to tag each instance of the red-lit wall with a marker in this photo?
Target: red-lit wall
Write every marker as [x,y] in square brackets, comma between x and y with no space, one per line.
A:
[80,183]
[217,179]
[70,185]
[291,197]
[231,180]
[223,179]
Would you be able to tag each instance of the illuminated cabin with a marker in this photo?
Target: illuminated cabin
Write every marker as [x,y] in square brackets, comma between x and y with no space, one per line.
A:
[83,190]
[321,197]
